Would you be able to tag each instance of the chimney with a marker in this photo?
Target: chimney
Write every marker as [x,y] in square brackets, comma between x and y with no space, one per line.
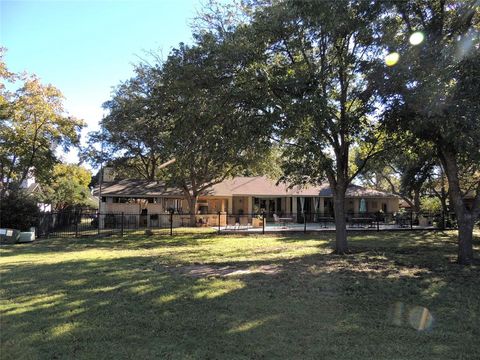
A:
[108,174]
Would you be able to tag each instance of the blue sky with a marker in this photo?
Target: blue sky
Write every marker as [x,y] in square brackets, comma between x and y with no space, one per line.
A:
[84,48]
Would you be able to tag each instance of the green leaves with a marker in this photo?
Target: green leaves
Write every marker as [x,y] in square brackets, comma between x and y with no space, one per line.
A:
[214,134]
[33,126]
[135,131]
[68,186]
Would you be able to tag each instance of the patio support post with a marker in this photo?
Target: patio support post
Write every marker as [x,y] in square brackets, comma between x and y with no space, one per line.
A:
[294,208]
[49,221]
[219,221]
[411,220]
[122,225]
[76,227]
[263,221]
[171,223]
[304,222]
[249,207]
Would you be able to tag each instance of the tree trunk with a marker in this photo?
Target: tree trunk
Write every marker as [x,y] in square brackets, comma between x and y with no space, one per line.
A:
[193,210]
[341,244]
[416,201]
[465,237]
[465,218]
[443,201]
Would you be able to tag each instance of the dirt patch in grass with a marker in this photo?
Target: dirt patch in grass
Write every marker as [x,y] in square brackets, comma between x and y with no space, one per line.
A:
[200,271]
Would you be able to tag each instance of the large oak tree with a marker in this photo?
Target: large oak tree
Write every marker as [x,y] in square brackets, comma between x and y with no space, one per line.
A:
[316,60]
[216,133]
[432,94]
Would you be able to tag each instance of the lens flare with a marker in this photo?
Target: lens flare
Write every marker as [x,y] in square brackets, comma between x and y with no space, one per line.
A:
[420,318]
[416,38]
[392,58]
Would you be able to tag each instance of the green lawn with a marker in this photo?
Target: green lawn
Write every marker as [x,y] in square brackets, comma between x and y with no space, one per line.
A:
[239,297]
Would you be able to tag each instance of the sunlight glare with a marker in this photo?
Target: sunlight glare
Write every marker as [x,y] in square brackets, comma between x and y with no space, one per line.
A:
[416,38]
[392,58]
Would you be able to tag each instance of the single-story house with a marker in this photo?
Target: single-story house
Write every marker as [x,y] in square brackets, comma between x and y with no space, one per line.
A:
[240,196]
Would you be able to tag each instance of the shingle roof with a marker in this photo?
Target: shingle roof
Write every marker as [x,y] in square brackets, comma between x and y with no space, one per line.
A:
[254,186]
[129,187]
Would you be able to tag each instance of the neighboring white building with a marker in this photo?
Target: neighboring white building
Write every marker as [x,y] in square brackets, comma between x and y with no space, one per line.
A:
[31,187]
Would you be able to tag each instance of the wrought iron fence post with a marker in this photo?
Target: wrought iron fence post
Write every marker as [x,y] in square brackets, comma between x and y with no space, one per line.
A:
[76,227]
[49,217]
[304,222]
[263,221]
[121,226]
[171,223]
[219,221]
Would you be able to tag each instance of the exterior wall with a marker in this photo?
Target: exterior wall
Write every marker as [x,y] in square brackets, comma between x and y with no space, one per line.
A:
[373,205]
[233,205]
[240,204]
[119,208]
[215,205]
[155,209]
[393,205]
[212,219]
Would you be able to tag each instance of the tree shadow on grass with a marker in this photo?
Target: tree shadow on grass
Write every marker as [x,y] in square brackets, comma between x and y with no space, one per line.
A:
[315,306]
[114,242]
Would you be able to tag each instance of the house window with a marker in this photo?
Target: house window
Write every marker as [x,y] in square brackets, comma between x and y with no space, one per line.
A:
[173,204]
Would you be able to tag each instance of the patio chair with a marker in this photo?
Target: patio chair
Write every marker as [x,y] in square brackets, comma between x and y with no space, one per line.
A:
[276,219]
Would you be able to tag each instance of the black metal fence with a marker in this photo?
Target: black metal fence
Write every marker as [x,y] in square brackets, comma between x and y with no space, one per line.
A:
[79,224]
[360,221]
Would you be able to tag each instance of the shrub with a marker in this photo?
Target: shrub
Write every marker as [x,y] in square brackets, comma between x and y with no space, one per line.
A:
[18,210]
[430,204]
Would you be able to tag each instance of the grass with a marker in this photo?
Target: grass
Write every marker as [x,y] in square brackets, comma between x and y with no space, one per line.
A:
[204,296]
